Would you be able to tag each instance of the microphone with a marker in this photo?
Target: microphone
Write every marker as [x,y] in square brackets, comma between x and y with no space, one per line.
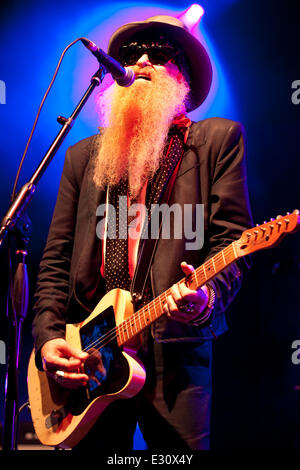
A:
[123,76]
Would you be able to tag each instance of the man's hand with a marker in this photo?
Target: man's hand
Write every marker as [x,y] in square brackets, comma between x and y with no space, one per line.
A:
[183,296]
[58,355]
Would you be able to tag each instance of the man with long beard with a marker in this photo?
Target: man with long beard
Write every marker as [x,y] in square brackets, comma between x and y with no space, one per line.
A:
[149,153]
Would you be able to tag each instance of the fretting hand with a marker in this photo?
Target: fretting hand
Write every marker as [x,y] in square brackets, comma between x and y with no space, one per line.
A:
[185,304]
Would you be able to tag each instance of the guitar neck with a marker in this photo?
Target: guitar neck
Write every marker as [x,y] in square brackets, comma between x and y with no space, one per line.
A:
[153,310]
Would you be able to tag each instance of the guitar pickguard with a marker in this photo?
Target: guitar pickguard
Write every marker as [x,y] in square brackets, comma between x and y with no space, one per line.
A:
[107,368]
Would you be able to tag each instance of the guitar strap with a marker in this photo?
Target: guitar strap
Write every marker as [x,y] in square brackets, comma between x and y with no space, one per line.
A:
[148,244]
[116,272]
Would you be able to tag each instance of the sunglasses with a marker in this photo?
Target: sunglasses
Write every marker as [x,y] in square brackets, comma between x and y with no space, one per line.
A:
[159,54]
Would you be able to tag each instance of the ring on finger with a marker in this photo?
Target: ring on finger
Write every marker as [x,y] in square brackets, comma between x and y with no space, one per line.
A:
[59,376]
[188,307]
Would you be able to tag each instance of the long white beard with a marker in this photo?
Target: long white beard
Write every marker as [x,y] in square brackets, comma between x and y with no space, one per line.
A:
[138,119]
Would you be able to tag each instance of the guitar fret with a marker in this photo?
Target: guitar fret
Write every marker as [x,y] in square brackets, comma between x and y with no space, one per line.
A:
[150,312]
[193,281]
[209,267]
[119,334]
[219,264]
[147,319]
[132,325]
[128,329]
[141,327]
[125,331]
[203,277]
[156,311]
[227,255]
[144,317]
[152,309]
[233,247]
[122,335]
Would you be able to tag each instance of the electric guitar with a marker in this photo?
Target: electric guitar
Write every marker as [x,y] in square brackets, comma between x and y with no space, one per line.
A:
[62,417]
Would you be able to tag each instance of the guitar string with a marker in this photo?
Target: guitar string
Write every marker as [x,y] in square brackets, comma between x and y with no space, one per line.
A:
[141,312]
[138,315]
[126,324]
[154,303]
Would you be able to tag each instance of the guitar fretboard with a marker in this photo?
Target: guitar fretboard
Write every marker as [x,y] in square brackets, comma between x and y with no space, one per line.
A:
[154,309]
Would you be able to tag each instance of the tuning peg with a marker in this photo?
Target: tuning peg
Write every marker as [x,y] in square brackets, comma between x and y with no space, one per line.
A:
[279,217]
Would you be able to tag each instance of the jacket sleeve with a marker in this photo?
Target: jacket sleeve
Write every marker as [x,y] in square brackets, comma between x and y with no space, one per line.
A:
[230,212]
[53,279]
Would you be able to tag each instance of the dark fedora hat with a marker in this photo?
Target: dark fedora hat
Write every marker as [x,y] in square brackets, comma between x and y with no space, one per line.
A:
[199,65]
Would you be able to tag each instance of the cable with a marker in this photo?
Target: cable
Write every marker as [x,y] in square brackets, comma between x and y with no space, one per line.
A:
[37,117]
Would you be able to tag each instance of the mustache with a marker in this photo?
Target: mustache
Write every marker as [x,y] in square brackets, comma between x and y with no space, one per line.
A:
[147,71]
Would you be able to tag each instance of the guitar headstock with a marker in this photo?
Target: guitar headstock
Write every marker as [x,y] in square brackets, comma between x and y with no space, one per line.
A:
[268,234]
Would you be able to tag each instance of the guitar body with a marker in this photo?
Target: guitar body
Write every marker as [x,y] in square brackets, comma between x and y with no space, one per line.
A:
[62,417]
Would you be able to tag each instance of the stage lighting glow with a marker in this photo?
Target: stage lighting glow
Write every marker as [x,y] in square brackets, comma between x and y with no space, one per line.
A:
[192,15]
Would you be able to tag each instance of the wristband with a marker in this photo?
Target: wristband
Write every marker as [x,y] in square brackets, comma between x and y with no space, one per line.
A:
[206,314]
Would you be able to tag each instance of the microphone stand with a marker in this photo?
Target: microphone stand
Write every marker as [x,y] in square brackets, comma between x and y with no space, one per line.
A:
[16,223]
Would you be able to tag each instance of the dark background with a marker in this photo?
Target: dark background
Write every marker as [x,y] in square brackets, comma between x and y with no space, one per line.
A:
[255,48]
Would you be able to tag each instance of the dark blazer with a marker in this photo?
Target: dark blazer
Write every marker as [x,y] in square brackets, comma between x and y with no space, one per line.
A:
[212,172]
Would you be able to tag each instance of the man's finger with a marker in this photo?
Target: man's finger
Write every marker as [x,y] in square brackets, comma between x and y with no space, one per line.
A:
[186,291]
[172,306]
[72,352]
[56,362]
[187,268]
[175,292]
[70,380]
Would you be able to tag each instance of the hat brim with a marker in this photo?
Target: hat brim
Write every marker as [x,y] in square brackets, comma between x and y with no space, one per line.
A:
[200,69]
